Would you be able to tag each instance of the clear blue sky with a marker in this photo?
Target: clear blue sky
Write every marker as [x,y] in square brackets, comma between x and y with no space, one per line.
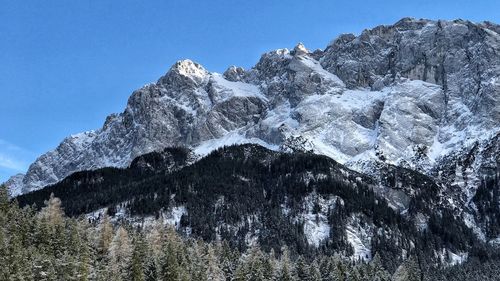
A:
[65,65]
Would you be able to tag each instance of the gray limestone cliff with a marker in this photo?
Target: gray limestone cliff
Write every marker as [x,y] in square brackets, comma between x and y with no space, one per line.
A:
[416,94]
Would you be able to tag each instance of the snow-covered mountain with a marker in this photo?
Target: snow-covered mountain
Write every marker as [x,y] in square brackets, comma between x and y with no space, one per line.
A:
[415,94]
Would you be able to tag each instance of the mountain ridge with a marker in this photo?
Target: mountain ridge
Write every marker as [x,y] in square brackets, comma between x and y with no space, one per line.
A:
[351,101]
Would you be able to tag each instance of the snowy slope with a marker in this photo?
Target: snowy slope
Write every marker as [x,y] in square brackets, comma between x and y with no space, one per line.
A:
[413,94]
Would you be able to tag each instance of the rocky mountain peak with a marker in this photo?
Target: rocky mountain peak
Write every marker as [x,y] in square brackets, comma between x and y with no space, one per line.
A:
[185,71]
[406,94]
[410,23]
[300,50]
[234,73]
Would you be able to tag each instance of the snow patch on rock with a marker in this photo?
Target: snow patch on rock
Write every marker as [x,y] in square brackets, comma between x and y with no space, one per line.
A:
[359,236]
[314,217]
[232,138]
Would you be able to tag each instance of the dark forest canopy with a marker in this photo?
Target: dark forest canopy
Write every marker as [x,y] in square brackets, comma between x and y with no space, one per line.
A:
[47,245]
[256,182]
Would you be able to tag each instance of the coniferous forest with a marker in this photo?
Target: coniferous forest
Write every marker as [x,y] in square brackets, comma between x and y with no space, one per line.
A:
[234,194]
[47,245]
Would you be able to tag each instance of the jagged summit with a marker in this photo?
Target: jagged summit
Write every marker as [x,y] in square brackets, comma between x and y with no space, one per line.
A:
[185,71]
[300,50]
[188,68]
[408,94]
[234,73]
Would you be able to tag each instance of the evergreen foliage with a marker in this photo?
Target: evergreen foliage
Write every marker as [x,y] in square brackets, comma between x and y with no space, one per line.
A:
[247,186]
[50,246]
[254,184]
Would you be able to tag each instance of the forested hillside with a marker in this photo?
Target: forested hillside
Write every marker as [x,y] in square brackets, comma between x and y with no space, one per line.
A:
[248,195]
[47,245]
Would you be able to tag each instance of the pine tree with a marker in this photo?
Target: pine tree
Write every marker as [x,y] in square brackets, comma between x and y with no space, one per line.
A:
[151,271]
[172,258]
[376,271]
[213,271]
[138,258]
[169,265]
[339,270]
[120,254]
[68,262]
[176,256]
[56,264]
[228,259]
[251,267]
[197,261]
[269,266]
[353,273]
[52,211]
[105,235]
[407,271]
[285,271]
[155,239]
[86,251]
[302,269]
[15,264]
[314,272]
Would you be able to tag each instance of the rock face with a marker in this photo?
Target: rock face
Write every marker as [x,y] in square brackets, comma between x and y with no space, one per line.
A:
[409,94]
